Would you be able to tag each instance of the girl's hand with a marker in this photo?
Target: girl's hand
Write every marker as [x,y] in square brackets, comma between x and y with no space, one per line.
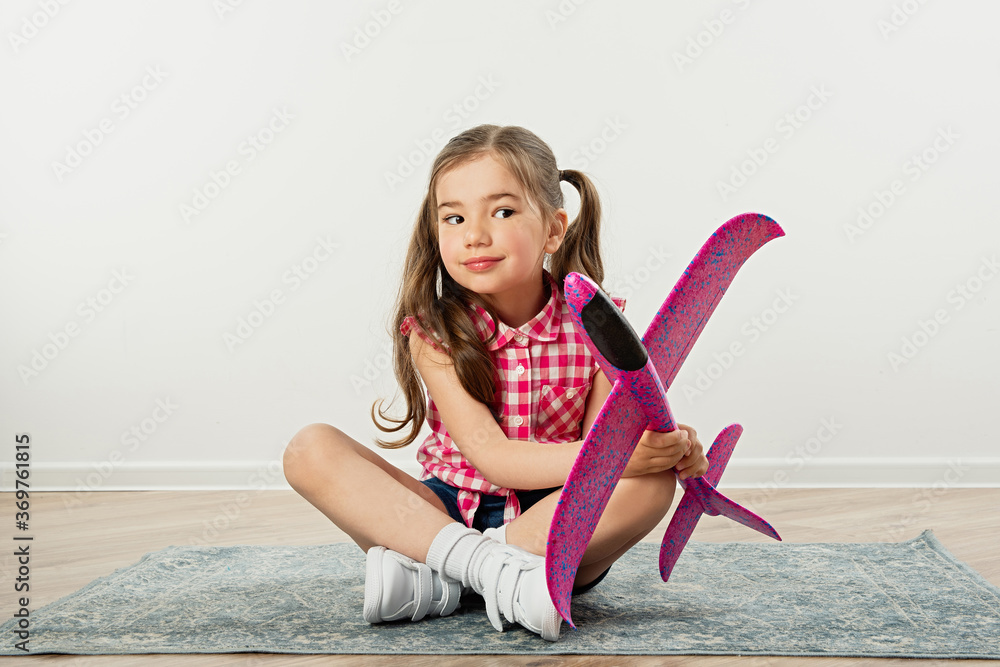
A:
[694,463]
[678,449]
[657,451]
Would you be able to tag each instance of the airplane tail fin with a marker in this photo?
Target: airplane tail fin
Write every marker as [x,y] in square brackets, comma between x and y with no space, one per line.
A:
[715,504]
[721,450]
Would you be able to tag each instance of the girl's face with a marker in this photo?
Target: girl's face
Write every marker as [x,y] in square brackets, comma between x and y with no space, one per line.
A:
[492,240]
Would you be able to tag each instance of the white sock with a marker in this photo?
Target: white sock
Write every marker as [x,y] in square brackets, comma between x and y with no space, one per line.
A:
[453,552]
[498,534]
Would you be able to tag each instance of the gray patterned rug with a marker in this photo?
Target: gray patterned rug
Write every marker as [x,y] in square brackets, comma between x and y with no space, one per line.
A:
[911,599]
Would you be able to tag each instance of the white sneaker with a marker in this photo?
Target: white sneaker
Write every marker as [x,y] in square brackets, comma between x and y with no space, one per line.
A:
[510,579]
[514,585]
[399,587]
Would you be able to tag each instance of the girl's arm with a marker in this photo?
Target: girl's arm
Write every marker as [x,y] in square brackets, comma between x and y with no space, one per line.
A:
[600,388]
[513,464]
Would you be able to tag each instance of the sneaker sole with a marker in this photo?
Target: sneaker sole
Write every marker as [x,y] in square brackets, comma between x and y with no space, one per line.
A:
[373,584]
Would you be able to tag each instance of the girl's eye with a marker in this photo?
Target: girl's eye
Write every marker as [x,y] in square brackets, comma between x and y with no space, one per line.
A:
[452,219]
[507,211]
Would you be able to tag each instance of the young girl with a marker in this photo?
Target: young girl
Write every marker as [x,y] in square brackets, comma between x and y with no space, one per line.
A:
[511,392]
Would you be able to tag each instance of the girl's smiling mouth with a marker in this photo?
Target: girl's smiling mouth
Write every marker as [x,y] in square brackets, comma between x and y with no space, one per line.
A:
[481,263]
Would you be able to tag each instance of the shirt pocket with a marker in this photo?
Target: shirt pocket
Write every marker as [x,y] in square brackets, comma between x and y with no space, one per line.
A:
[560,411]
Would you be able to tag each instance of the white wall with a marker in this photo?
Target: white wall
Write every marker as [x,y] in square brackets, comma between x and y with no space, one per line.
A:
[874,89]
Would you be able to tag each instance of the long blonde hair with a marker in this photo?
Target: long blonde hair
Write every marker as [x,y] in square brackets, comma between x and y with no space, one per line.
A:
[447,313]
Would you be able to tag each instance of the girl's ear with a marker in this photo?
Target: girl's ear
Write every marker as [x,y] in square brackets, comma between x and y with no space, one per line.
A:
[557,230]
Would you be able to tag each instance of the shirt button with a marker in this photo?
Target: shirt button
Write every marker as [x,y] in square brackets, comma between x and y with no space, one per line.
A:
[518,421]
[570,393]
[520,369]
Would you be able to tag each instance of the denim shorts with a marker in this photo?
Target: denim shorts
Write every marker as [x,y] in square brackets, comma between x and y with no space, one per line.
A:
[489,514]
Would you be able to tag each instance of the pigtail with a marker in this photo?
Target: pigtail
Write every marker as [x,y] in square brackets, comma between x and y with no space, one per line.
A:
[581,248]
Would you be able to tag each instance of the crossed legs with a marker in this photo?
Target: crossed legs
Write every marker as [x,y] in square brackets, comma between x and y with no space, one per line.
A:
[377,504]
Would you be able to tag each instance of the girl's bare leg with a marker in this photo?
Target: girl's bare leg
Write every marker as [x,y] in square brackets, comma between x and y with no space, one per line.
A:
[636,506]
[368,498]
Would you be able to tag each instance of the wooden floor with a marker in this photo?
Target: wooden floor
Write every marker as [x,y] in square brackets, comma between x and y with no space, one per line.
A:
[79,539]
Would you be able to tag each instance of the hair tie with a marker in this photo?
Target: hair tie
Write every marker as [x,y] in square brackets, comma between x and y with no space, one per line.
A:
[562,175]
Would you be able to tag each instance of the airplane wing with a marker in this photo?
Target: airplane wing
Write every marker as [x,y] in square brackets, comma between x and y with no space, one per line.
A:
[680,320]
[598,467]
[678,533]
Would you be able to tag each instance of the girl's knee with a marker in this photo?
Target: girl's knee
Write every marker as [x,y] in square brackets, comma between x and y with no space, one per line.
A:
[666,486]
[651,494]
[306,449]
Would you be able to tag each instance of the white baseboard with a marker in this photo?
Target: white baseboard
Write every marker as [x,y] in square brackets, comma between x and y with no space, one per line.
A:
[161,476]
[874,472]
[956,472]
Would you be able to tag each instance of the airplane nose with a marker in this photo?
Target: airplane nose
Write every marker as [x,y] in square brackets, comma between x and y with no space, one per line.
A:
[612,335]
[579,288]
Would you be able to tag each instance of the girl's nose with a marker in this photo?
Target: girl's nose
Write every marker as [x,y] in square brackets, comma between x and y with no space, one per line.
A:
[476,231]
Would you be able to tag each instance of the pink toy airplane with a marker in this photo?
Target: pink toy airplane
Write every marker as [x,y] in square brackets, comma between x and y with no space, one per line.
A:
[640,371]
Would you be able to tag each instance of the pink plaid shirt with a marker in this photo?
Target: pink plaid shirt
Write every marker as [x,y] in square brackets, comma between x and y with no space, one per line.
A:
[545,373]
